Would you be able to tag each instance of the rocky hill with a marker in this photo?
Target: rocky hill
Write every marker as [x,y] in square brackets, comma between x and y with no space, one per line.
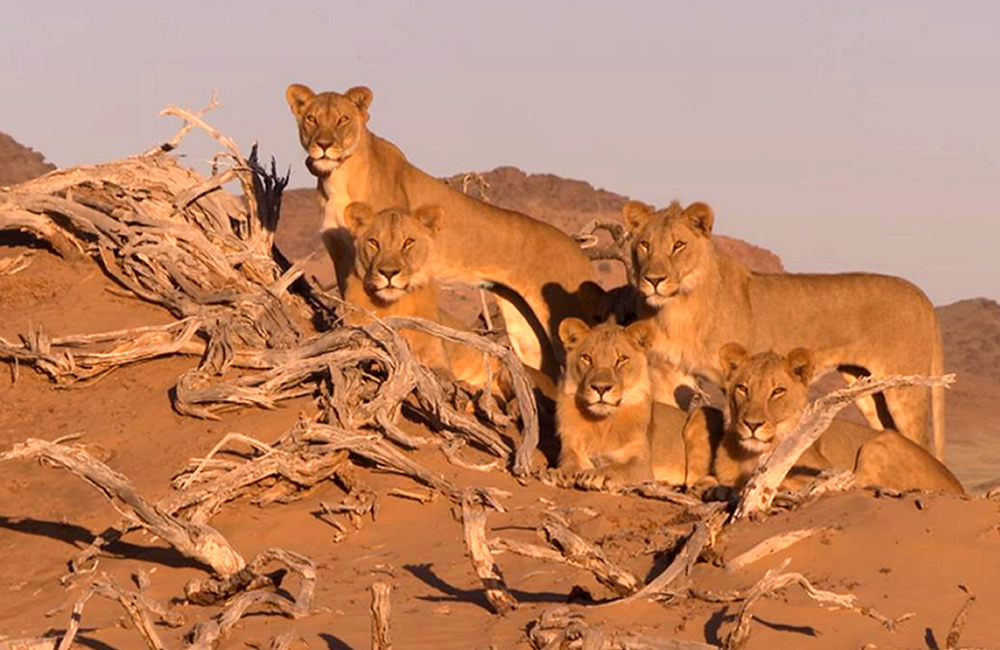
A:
[19,163]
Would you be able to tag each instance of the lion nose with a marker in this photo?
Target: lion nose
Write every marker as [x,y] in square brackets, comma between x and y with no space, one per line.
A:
[655,280]
[601,388]
[324,143]
[389,273]
[753,425]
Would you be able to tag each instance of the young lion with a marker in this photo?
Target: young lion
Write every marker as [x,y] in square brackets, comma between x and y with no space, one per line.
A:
[767,394]
[392,278]
[535,269]
[391,275]
[856,323]
[612,433]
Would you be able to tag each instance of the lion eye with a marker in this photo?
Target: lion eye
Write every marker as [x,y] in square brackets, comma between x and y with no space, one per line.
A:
[742,389]
[622,360]
[778,392]
[344,119]
[643,246]
[310,119]
[408,243]
[679,246]
[373,244]
[585,359]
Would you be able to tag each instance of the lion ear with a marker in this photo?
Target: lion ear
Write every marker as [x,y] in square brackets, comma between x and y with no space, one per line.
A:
[731,357]
[800,364]
[361,96]
[635,214]
[643,332]
[430,216]
[358,215]
[701,217]
[297,97]
[572,331]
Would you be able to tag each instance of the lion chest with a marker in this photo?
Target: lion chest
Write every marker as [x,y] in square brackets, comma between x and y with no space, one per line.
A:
[336,197]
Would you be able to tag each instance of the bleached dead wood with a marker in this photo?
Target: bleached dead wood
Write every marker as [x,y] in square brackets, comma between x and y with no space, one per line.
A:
[474,527]
[680,566]
[381,612]
[586,555]
[559,628]
[196,541]
[763,484]
[772,545]
[774,580]
[208,634]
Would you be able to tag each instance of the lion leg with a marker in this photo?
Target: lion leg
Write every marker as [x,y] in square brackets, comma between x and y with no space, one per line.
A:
[340,247]
[908,407]
[523,338]
[889,460]
[867,405]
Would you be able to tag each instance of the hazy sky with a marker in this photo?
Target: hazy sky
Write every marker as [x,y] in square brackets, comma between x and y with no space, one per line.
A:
[842,135]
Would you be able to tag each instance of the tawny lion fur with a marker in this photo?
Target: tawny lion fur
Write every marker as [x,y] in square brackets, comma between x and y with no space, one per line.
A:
[391,277]
[854,322]
[767,394]
[610,431]
[521,259]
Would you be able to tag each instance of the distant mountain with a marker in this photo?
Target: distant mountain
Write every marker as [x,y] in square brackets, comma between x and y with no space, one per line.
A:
[971,332]
[19,163]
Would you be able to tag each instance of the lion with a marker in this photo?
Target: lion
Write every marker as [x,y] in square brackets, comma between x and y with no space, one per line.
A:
[391,272]
[855,323]
[767,394]
[538,272]
[612,434]
[392,277]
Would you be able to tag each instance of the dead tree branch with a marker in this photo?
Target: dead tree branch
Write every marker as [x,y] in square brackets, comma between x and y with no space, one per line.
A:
[196,541]
[474,525]
[774,580]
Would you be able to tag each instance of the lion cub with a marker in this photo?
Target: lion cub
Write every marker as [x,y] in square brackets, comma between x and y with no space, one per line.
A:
[767,394]
[611,432]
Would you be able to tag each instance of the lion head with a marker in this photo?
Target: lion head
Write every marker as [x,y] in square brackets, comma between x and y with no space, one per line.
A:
[331,125]
[606,365]
[393,248]
[668,247]
[766,394]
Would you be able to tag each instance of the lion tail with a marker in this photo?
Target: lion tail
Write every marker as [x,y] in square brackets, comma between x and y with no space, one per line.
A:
[937,393]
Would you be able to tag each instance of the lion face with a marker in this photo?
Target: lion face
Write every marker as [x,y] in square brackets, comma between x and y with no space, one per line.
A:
[393,248]
[668,248]
[766,394]
[331,125]
[606,366]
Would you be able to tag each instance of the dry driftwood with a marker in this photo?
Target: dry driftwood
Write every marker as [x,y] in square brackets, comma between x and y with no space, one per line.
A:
[381,612]
[618,249]
[570,548]
[196,541]
[474,526]
[208,634]
[763,484]
[772,545]
[680,566]
[142,612]
[774,580]
[559,628]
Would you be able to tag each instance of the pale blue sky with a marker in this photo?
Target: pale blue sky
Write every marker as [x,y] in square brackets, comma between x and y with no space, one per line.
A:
[848,135]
